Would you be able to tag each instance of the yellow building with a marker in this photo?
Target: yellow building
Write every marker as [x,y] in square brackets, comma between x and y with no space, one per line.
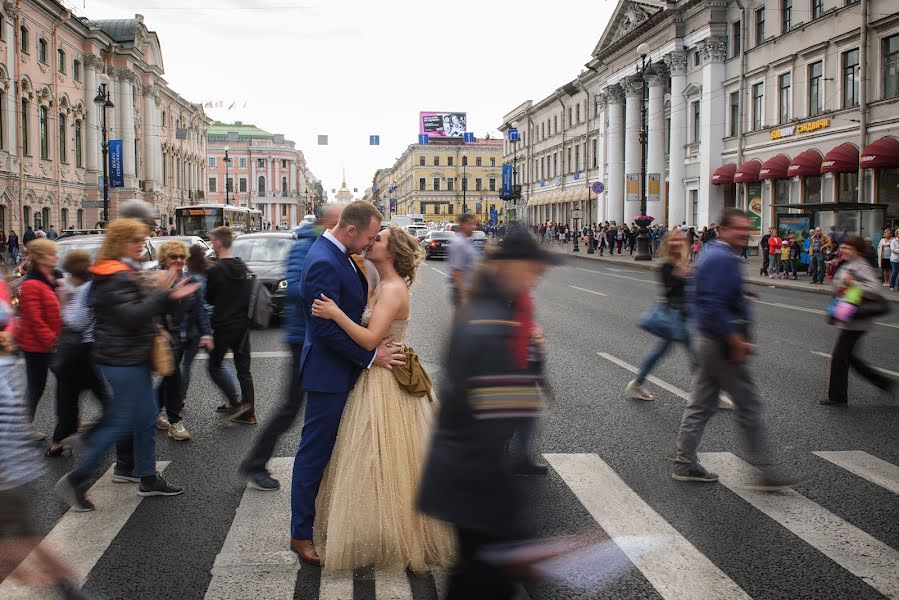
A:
[435,180]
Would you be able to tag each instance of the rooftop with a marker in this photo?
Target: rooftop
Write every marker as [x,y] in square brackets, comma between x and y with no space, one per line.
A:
[243,130]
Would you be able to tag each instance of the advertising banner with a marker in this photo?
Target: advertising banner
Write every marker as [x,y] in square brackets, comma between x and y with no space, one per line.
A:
[443,124]
[116,164]
[754,203]
[797,225]
[653,188]
[632,188]
[507,182]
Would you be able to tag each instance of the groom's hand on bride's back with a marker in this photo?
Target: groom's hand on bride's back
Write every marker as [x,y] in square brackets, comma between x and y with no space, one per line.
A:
[388,355]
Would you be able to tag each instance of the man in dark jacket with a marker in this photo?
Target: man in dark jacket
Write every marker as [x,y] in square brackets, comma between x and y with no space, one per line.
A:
[490,391]
[253,466]
[28,236]
[228,291]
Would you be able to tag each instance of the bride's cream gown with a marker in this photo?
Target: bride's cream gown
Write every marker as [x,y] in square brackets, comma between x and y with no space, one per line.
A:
[365,511]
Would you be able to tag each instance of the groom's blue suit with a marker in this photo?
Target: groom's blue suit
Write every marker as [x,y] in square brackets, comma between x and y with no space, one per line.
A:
[329,367]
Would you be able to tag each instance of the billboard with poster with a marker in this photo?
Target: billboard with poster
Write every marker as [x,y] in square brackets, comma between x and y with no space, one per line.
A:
[754,203]
[443,124]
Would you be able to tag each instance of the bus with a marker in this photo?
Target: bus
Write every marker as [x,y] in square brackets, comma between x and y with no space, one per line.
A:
[199,220]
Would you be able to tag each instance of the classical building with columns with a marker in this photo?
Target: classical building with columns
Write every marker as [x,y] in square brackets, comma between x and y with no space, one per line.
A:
[786,108]
[265,171]
[51,167]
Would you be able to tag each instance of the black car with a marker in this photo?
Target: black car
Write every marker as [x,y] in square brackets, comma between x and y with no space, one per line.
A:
[435,244]
[266,256]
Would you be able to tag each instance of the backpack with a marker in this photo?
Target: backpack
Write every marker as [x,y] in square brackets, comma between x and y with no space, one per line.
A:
[260,307]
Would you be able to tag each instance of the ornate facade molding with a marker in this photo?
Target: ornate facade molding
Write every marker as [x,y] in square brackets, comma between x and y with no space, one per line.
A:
[676,62]
[655,76]
[44,97]
[10,9]
[92,61]
[713,50]
[633,85]
[602,101]
[615,94]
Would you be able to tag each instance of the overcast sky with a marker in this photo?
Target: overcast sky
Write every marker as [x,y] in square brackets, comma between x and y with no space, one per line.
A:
[352,68]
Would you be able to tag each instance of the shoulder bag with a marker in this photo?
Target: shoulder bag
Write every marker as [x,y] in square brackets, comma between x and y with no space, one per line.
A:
[411,376]
[161,358]
[663,321]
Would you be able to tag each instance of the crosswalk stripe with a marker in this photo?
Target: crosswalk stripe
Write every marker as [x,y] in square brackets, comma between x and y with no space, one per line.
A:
[884,371]
[262,354]
[677,569]
[877,471]
[574,287]
[392,586]
[82,538]
[255,561]
[650,378]
[853,549]
[335,586]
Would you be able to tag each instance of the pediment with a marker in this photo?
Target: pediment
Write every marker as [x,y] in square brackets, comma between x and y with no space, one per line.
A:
[628,15]
[692,90]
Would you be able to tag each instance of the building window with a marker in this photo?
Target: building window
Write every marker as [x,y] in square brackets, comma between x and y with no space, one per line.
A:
[492,184]
[465,184]
[449,161]
[421,161]
[815,93]
[26,146]
[211,162]
[758,102]
[556,123]
[283,163]
[436,161]
[61,60]
[450,208]
[891,66]
[42,50]
[421,184]
[542,131]
[555,163]
[786,15]
[260,186]
[817,8]
[577,158]
[760,26]
[570,163]
[213,185]
[492,161]
[242,162]
[734,113]
[229,184]
[284,187]
[45,132]
[23,39]
[464,161]
[697,59]
[450,185]
[850,78]
[436,184]
[696,122]
[847,187]
[477,184]
[577,112]
[79,219]
[2,123]
[242,182]
[63,218]
[76,70]
[813,189]
[784,98]
[477,161]
[570,117]
[260,163]
[595,158]
[62,137]
[736,36]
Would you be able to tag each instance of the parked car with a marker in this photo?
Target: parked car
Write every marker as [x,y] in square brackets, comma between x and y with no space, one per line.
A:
[265,254]
[435,244]
[190,240]
[91,244]
[479,240]
[417,232]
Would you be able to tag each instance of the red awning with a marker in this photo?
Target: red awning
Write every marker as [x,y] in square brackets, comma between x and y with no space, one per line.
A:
[748,171]
[775,168]
[807,164]
[724,174]
[882,153]
[842,159]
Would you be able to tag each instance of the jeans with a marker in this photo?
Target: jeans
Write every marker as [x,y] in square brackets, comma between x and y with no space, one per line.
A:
[281,421]
[238,341]
[775,264]
[818,269]
[792,264]
[77,374]
[894,275]
[36,366]
[656,354]
[191,349]
[130,415]
[169,391]
[842,357]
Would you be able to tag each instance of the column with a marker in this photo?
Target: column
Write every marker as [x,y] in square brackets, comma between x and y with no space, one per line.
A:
[615,184]
[92,127]
[292,178]
[655,153]
[712,111]
[150,138]
[633,89]
[677,196]
[601,107]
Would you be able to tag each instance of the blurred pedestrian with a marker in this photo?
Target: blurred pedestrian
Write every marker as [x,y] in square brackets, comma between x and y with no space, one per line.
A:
[819,246]
[463,258]
[28,236]
[196,264]
[12,242]
[883,256]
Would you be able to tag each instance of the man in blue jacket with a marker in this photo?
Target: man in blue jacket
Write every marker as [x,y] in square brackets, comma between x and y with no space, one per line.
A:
[253,466]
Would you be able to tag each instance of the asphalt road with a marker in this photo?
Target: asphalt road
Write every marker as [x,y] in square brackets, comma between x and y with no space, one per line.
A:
[835,537]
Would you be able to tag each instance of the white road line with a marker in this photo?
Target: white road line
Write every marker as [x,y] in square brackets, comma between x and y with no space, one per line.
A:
[606,273]
[674,567]
[790,306]
[650,378]
[255,560]
[274,354]
[335,586]
[884,371]
[439,271]
[574,287]
[877,471]
[858,552]
[893,325]
[82,538]
[392,586]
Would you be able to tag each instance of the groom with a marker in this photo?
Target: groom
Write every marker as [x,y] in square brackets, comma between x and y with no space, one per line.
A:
[331,362]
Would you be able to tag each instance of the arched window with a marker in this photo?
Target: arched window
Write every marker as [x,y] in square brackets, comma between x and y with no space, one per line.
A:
[260,186]
[61,60]
[42,50]
[63,219]
[79,219]
[26,146]
[284,186]
[78,157]
[23,39]
[44,131]
[464,161]
[62,137]
[26,216]
[45,218]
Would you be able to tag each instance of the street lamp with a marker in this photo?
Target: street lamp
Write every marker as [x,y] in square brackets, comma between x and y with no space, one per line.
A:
[227,186]
[102,100]
[643,252]
[464,189]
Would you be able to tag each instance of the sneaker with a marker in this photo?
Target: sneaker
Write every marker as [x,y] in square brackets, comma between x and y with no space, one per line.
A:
[37,436]
[227,408]
[694,472]
[263,481]
[73,494]
[725,403]
[158,487]
[243,413]
[177,431]
[124,477]
[638,392]
[162,424]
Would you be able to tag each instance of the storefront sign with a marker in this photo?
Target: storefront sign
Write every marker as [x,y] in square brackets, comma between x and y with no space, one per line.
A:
[792,130]
[653,188]
[632,188]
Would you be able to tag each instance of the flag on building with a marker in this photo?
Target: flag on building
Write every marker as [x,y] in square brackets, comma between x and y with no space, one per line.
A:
[374,140]
[322,140]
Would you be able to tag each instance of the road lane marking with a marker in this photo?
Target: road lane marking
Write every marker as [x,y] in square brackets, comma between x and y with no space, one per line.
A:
[608,274]
[255,560]
[877,471]
[394,586]
[650,378]
[674,566]
[81,538]
[439,271]
[858,552]
[335,586]
[274,354]
[893,325]
[791,307]
[884,371]
[574,287]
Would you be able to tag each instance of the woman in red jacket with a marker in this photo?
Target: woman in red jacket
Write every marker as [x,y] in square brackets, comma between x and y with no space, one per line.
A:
[40,321]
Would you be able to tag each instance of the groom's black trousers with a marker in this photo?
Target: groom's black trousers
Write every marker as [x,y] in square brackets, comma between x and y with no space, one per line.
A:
[473,579]
[281,421]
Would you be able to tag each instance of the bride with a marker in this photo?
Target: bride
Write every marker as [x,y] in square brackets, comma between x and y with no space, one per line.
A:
[365,510]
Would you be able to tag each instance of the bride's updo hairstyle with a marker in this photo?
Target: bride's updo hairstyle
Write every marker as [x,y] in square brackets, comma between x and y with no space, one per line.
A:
[407,255]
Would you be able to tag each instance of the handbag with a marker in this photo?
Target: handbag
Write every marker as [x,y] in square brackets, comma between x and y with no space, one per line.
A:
[663,321]
[161,358]
[69,345]
[411,376]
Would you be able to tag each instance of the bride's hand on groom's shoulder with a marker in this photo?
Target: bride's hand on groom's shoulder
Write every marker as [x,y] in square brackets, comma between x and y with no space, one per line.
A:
[325,308]
[389,355]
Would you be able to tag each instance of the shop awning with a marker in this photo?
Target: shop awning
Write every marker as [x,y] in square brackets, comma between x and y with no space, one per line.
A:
[748,171]
[775,168]
[882,153]
[807,164]
[842,159]
[724,174]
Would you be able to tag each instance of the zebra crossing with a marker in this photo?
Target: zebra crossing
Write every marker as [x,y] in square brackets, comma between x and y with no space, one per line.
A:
[255,563]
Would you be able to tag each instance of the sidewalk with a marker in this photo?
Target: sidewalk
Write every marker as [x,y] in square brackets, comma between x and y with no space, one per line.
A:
[750,271]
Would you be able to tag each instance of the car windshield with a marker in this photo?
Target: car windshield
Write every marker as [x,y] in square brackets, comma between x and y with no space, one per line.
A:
[440,236]
[159,241]
[262,249]
[418,231]
[92,247]
[478,235]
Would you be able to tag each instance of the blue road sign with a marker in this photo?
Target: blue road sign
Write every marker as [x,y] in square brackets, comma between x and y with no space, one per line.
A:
[468,138]
[374,140]
[598,187]
[513,135]
[422,138]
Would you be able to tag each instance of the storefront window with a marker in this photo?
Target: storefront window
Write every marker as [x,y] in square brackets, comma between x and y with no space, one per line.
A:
[781,191]
[847,187]
[888,191]
[813,189]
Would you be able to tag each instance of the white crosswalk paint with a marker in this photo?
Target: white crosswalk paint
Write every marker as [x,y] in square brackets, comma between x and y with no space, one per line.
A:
[877,471]
[335,586]
[439,271]
[81,538]
[275,354]
[256,560]
[650,378]
[609,274]
[574,287]
[392,586]
[853,549]
[884,371]
[676,569]
[816,311]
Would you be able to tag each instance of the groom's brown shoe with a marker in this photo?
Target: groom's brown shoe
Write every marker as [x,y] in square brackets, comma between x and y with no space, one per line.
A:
[305,549]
